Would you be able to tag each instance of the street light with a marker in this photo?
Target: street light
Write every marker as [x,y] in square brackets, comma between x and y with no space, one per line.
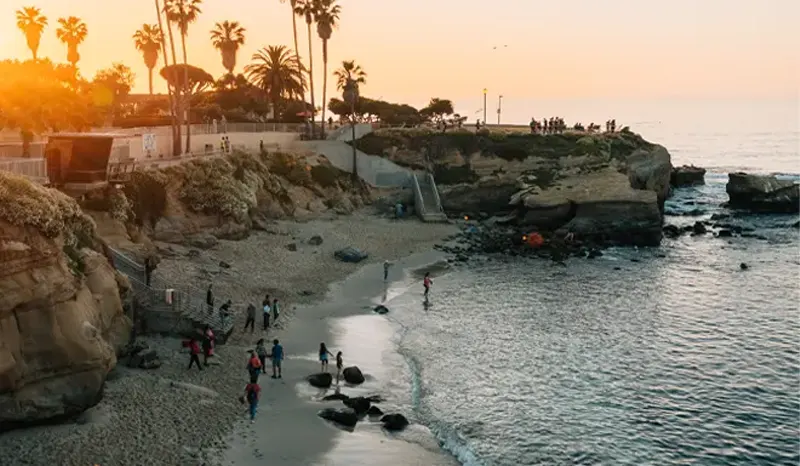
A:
[484,105]
[499,108]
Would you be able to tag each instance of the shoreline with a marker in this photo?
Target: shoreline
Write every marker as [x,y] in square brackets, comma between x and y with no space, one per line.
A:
[288,431]
[173,416]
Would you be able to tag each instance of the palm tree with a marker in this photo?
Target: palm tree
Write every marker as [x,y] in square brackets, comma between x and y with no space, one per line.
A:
[148,40]
[174,94]
[348,78]
[277,71]
[308,10]
[72,32]
[293,5]
[327,19]
[227,37]
[31,22]
[183,13]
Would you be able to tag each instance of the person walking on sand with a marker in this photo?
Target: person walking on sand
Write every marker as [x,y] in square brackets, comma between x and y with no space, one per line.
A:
[427,282]
[275,312]
[277,359]
[386,265]
[251,318]
[252,393]
[261,352]
[208,344]
[210,297]
[266,310]
[194,354]
[339,366]
[323,357]
[254,366]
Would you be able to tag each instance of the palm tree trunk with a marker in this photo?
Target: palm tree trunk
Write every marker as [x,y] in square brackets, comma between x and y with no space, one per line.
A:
[311,79]
[177,148]
[150,82]
[324,82]
[296,48]
[188,94]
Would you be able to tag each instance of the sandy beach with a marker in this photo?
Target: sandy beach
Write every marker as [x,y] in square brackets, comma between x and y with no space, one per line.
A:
[173,416]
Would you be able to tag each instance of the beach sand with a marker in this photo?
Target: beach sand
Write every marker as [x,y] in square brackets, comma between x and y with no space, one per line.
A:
[172,416]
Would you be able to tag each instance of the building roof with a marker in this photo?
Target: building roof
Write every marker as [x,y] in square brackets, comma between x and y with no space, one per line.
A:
[85,135]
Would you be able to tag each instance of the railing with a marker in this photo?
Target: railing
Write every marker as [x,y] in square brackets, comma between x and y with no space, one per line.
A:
[34,169]
[435,193]
[419,201]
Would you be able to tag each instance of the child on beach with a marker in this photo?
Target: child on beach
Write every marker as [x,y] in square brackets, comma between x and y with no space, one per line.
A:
[194,353]
[261,352]
[277,358]
[275,312]
[339,365]
[254,367]
[266,310]
[323,357]
[386,265]
[427,282]
[251,393]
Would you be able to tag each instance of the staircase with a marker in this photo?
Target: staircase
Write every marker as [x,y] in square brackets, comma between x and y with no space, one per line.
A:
[426,199]
[188,310]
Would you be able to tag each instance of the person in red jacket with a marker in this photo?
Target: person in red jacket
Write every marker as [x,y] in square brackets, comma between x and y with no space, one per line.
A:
[252,393]
[194,352]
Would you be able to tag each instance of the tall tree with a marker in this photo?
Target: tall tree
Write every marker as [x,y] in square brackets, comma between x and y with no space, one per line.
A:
[278,73]
[72,32]
[227,37]
[327,19]
[148,40]
[349,71]
[111,85]
[32,22]
[174,94]
[348,79]
[308,10]
[293,5]
[183,13]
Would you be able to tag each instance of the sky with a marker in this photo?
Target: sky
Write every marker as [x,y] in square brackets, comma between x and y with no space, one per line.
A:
[417,49]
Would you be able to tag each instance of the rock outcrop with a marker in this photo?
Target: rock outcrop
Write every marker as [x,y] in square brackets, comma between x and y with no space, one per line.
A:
[687,175]
[607,188]
[762,193]
[61,316]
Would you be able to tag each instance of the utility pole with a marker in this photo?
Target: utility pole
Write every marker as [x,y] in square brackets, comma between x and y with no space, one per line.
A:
[484,105]
[499,108]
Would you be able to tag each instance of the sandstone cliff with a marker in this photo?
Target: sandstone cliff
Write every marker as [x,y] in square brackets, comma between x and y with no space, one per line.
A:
[61,317]
[602,187]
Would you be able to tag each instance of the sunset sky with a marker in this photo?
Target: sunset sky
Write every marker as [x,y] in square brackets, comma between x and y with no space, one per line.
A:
[416,49]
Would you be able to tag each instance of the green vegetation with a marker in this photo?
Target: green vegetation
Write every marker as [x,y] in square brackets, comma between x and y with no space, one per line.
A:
[508,146]
[146,195]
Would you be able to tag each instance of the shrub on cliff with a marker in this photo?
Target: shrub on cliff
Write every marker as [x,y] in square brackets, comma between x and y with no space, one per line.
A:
[146,194]
[50,211]
[209,186]
[289,167]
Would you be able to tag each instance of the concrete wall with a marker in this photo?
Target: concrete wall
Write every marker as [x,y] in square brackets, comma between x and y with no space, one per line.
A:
[132,146]
[375,170]
[345,133]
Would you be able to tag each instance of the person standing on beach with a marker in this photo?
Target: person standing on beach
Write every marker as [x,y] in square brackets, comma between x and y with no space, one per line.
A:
[261,352]
[275,312]
[254,367]
[210,297]
[386,265]
[251,318]
[266,310]
[323,357]
[252,393]
[277,358]
[339,366]
[427,282]
[208,344]
[194,354]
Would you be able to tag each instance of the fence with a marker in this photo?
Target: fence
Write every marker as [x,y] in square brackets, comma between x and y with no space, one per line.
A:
[33,169]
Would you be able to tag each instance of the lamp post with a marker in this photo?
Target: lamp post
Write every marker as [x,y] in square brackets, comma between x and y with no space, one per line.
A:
[484,105]
[499,108]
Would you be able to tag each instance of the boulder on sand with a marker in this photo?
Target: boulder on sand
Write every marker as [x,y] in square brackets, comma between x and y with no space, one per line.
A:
[687,175]
[350,254]
[345,417]
[359,404]
[335,396]
[321,380]
[381,309]
[394,422]
[374,411]
[763,193]
[353,375]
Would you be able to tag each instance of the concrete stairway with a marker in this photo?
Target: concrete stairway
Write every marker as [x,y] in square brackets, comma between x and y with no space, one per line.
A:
[375,170]
[426,199]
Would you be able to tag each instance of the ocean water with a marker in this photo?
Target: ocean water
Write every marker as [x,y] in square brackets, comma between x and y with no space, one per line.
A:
[662,356]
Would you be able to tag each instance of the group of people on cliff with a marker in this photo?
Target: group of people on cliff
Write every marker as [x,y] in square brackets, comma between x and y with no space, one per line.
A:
[552,125]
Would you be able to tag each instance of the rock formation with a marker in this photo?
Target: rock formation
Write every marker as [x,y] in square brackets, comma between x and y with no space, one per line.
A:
[600,187]
[687,175]
[61,317]
[763,193]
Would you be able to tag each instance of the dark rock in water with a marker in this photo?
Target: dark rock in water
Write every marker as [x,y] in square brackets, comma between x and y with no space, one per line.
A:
[345,417]
[617,268]
[350,254]
[374,411]
[381,309]
[699,228]
[394,422]
[762,193]
[671,231]
[292,247]
[795,224]
[633,259]
[375,398]
[359,404]
[724,234]
[336,397]
[687,175]
[321,380]
[743,266]
[315,240]
[353,375]
[720,216]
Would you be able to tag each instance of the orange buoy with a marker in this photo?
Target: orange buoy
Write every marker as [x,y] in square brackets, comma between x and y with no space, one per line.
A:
[534,240]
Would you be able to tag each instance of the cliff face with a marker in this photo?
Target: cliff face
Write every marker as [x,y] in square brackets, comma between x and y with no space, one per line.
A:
[604,187]
[61,316]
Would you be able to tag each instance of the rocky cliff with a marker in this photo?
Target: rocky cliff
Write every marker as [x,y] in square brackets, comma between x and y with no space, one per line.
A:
[61,317]
[601,187]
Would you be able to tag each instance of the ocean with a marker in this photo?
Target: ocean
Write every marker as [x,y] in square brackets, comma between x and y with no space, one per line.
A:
[664,356]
